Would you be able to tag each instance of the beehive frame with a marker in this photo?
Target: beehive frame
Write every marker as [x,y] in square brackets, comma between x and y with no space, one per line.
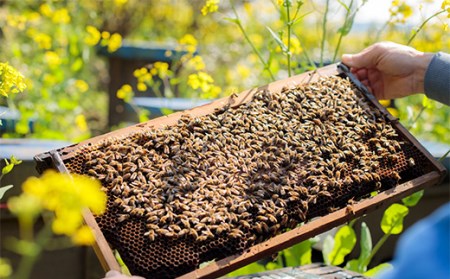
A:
[57,158]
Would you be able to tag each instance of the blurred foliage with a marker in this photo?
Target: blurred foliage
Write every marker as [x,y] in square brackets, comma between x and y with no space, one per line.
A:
[49,42]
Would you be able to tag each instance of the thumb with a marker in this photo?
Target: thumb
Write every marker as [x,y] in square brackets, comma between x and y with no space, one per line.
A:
[367,58]
[356,60]
[348,59]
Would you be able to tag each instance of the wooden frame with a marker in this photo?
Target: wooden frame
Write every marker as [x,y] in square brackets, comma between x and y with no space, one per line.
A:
[56,158]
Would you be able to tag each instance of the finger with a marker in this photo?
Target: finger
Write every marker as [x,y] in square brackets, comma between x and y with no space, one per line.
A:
[112,273]
[368,58]
[361,73]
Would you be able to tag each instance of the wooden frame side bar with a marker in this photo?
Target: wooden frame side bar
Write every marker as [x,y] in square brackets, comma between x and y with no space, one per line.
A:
[101,247]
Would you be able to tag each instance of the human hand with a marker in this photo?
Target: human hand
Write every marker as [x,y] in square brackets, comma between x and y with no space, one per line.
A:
[114,274]
[390,70]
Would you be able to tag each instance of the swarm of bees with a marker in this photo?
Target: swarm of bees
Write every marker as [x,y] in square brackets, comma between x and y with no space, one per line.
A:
[253,170]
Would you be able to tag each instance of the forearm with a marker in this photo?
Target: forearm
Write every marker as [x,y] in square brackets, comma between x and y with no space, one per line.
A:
[437,78]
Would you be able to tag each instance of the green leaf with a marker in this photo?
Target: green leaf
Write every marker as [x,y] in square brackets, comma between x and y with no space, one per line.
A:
[352,265]
[22,247]
[426,102]
[327,247]
[234,20]
[4,189]
[166,111]
[272,266]
[413,199]
[7,169]
[344,241]
[278,40]
[299,254]
[77,65]
[343,5]
[366,246]
[248,269]
[376,270]
[392,222]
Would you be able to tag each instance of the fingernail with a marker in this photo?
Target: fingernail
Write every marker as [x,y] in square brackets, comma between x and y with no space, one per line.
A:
[346,57]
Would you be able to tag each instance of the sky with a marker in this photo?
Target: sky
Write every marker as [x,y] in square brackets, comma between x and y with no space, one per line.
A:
[377,11]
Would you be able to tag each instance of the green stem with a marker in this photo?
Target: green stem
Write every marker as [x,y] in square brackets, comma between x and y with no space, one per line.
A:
[417,117]
[238,22]
[375,249]
[324,32]
[423,25]
[444,156]
[289,25]
[27,262]
[341,34]
[352,222]
[378,35]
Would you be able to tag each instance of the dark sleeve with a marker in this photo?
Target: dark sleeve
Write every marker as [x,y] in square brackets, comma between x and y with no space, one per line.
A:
[437,78]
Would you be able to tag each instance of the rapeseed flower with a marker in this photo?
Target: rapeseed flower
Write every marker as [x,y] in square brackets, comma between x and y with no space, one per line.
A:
[81,123]
[114,42]
[64,195]
[210,6]
[81,85]
[400,11]
[189,43]
[125,93]
[93,35]
[52,59]
[61,16]
[11,81]
[46,10]
[196,63]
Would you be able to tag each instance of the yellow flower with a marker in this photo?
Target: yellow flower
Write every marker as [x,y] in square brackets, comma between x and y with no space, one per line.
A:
[5,268]
[257,39]
[393,111]
[66,196]
[52,59]
[210,6]
[243,71]
[120,3]
[81,123]
[203,81]
[168,53]
[61,16]
[189,42]
[125,93]
[196,63]
[17,21]
[11,81]
[141,86]
[83,236]
[43,40]
[444,4]
[162,68]
[400,11]
[114,42]
[81,85]
[46,10]
[93,36]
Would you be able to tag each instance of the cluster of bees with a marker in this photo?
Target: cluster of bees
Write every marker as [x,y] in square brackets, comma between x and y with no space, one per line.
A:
[251,170]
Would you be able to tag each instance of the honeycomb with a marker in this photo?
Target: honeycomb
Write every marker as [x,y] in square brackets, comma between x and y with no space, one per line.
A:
[212,186]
